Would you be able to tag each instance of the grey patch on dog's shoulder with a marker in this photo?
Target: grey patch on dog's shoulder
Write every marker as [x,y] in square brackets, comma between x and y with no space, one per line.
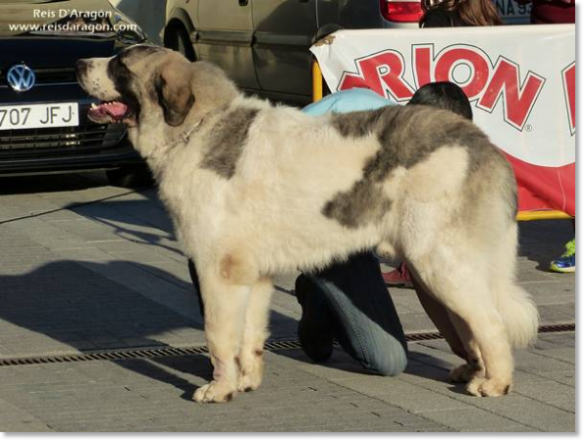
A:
[407,136]
[226,141]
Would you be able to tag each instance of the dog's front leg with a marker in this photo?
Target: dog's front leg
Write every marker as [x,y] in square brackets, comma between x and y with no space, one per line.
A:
[255,334]
[225,307]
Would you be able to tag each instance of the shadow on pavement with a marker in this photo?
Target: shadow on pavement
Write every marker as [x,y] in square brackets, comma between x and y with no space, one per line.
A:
[63,306]
[63,303]
[47,183]
[82,308]
[131,226]
[160,369]
[543,241]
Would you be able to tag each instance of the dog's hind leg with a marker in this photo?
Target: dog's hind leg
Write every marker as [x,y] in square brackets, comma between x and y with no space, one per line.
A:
[225,306]
[255,334]
[474,366]
[467,294]
[454,330]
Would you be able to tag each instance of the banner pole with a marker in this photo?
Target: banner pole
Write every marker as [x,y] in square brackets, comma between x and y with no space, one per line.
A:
[317,88]
[542,215]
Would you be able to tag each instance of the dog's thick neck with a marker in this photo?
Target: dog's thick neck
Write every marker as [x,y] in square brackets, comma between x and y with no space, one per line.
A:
[156,141]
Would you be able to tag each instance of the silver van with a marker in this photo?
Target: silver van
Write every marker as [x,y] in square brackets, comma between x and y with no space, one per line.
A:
[263,44]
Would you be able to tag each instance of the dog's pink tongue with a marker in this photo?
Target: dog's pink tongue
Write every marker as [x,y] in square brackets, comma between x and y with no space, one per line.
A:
[116,110]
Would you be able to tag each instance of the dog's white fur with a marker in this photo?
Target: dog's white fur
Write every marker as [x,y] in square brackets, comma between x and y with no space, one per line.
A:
[267,217]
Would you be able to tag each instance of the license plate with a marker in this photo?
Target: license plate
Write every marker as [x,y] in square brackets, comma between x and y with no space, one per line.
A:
[513,13]
[48,115]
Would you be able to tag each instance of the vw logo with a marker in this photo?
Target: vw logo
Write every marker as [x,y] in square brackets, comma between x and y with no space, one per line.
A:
[20,78]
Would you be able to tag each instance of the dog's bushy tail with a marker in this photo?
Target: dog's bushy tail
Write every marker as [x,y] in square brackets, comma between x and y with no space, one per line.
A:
[515,305]
[520,316]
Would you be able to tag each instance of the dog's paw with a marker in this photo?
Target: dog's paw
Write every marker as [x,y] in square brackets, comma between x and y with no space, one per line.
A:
[251,372]
[465,373]
[213,393]
[248,383]
[473,386]
[492,387]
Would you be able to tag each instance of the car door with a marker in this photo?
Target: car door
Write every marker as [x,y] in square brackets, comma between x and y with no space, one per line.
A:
[283,30]
[224,37]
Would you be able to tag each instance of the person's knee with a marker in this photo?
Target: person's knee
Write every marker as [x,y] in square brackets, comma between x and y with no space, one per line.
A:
[389,364]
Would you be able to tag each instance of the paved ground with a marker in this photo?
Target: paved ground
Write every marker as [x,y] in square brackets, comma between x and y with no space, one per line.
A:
[86,267]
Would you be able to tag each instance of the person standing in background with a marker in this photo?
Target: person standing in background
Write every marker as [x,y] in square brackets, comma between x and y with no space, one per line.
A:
[551,11]
[451,13]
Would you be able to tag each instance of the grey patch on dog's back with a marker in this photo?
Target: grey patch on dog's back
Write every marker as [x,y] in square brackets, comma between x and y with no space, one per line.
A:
[365,202]
[356,124]
[226,141]
[407,136]
[418,131]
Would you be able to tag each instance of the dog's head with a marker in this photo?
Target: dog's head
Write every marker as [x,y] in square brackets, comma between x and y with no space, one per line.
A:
[150,81]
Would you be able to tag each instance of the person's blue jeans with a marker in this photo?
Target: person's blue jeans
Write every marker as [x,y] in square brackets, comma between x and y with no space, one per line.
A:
[366,323]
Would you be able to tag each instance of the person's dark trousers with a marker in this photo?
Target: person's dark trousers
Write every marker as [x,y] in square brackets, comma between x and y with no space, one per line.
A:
[365,320]
[195,280]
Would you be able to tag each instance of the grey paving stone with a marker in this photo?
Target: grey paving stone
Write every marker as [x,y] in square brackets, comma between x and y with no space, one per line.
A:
[539,363]
[106,406]
[550,392]
[534,413]
[166,292]
[563,354]
[470,420]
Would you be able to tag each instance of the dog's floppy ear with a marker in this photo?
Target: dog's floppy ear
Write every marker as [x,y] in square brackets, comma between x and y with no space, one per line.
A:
[173,87]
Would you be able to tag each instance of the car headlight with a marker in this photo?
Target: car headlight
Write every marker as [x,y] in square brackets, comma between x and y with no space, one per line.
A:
[127,30]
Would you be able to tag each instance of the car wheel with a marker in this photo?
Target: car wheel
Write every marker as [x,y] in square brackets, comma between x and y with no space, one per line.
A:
[130,177]
[178,40]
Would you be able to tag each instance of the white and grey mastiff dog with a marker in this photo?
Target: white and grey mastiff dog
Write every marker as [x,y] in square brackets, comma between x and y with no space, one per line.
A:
[256,189]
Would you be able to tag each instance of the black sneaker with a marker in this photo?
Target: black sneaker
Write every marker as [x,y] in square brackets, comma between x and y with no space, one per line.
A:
[315,329]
